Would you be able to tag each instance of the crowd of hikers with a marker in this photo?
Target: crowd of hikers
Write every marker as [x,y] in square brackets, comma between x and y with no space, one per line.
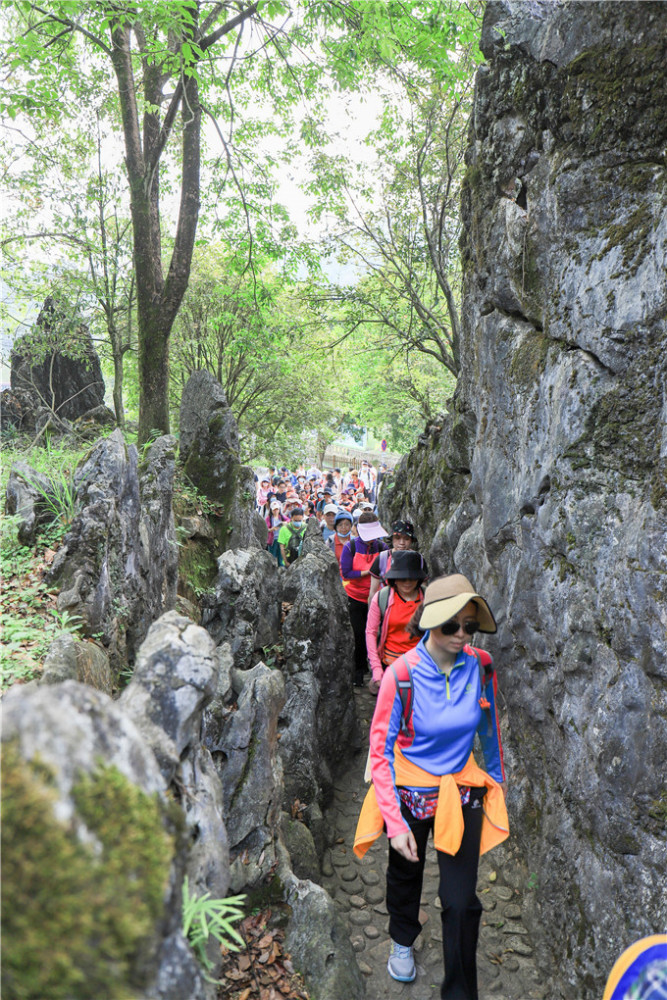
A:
[381,571]
[434,692]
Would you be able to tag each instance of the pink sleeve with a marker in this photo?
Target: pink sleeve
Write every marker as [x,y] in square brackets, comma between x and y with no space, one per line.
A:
[384,730]
[372,625]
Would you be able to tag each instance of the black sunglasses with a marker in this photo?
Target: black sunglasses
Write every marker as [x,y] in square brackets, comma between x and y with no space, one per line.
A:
[451,628]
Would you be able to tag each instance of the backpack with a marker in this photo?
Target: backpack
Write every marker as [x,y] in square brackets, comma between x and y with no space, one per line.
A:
[383,601]
[405,688]
[294,544]
[385,556]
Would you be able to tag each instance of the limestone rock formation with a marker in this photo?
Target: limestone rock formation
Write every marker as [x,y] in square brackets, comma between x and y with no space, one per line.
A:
[87,830]
[244,609]
[33,498]
[209,447]
[117,567]
[71,659]
[562,520]
[173,680]
[17,410]
[318,940]
[242,740]
[57,364]
[318,723]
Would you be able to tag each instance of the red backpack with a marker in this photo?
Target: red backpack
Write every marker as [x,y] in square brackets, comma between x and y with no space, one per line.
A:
[405,686]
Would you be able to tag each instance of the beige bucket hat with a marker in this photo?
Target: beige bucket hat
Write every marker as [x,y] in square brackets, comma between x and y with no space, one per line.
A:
[445,597]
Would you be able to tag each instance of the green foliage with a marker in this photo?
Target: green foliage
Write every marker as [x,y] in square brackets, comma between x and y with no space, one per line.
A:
[76,914]
[56,460]
[249,317]
[274,656]
[30,621]
[205,918]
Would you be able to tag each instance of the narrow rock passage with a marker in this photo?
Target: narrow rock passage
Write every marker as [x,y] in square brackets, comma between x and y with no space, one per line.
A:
[507,970]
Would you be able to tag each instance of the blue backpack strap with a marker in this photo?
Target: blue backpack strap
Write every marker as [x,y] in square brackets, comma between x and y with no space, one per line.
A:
[405,689]
[485,675]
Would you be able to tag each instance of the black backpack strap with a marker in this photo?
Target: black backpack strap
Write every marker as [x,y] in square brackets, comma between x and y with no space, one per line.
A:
[406,690]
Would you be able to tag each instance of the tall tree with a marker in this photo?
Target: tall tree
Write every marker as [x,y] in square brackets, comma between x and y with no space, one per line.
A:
[167,64]
[397,218]
[156,52]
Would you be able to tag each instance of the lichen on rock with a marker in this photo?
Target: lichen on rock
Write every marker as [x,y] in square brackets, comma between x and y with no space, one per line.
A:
[81,900]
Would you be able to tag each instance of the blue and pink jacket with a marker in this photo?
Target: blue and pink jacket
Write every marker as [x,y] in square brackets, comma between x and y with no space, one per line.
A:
[445,717]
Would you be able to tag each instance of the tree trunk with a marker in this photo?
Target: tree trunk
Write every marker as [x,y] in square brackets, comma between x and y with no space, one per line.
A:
[153,371]
[118,387]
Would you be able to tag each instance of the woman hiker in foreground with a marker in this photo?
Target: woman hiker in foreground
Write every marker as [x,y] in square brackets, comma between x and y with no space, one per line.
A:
[431,703]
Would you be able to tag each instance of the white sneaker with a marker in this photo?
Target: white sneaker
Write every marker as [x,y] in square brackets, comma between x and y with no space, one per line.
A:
[401,964]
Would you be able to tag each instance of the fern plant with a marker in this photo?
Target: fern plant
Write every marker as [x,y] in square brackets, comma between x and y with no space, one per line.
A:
[204,918]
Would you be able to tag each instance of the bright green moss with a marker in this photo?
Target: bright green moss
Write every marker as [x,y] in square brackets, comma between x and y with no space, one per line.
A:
[77,916]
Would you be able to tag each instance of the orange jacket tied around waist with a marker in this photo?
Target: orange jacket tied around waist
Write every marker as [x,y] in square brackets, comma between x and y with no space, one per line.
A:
[448,825]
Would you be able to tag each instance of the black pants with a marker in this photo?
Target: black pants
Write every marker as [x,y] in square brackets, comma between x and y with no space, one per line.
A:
[358,616]
[461,909]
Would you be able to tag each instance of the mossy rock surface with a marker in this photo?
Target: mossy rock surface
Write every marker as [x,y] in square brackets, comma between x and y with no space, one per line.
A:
[81,899]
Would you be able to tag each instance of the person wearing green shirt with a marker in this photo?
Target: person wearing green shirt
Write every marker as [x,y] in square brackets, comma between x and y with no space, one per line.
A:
[291,535]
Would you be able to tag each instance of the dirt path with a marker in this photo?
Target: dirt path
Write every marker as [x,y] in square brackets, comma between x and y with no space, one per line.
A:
[505,956]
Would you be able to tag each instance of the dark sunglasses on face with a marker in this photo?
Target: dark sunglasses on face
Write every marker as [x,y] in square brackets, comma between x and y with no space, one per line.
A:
[451,628]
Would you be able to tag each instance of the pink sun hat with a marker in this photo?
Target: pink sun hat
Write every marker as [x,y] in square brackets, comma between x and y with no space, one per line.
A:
[370,531]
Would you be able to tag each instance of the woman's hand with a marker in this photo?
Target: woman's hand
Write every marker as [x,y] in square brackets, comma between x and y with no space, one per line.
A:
[406,845]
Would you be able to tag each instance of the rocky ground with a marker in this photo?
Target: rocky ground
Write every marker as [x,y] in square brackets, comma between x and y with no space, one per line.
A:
[507,970]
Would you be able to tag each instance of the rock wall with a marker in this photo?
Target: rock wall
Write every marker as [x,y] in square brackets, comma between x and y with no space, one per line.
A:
[117,567]
[560,513]
[209,451]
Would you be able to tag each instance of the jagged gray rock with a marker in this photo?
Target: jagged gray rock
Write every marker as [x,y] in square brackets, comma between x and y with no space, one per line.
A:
[563,524]
[68,747]
[244,610]
[318,940]
[209,451]
[68,384]
[243,741]
[173,680]
[117,566]
[300,845]
[90,423]
[430,487]
[318,724]
[17,409]
[208,857]
[33,498]
[69,658]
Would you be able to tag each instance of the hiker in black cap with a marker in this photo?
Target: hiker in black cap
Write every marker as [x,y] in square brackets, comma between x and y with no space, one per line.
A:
[402,539]
[391,611]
